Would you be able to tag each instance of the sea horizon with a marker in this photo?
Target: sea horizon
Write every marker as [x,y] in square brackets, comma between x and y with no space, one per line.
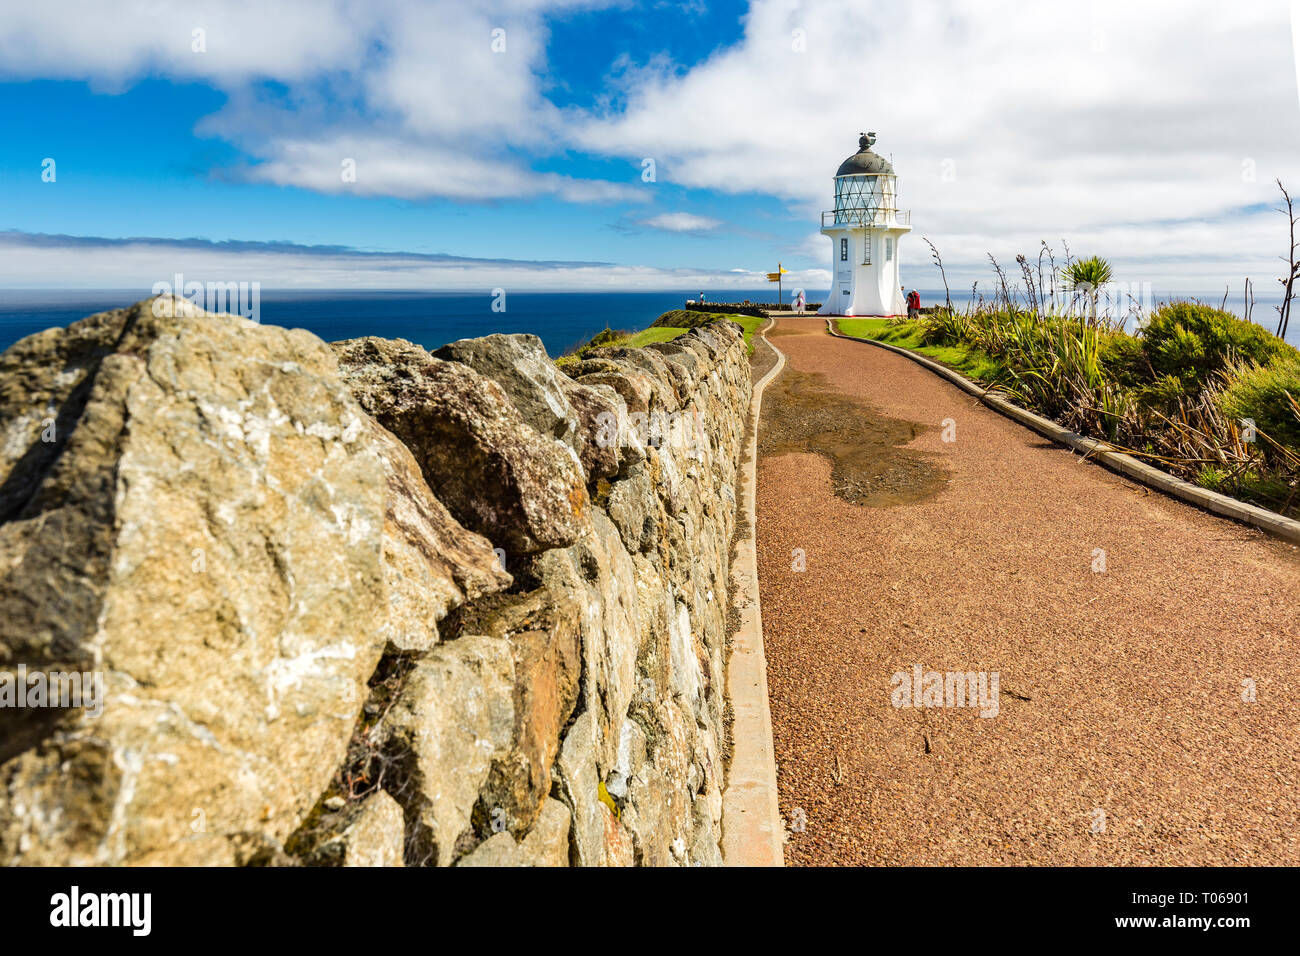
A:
[561,319]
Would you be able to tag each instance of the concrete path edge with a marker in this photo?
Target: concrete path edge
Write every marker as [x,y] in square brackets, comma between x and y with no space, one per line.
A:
[1220,504]
[752,831]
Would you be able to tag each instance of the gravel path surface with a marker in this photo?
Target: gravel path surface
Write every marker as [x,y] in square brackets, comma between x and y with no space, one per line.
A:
[1121,734]
[762,359]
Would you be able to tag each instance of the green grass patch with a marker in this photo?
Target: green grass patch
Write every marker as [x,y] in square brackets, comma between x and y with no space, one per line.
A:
[683,319]
[662,331]
[750,324]
[1186,390]
[691,320]
[970,362]
[652,335]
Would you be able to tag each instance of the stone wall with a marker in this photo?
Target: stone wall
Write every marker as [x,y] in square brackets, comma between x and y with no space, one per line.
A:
[360,604]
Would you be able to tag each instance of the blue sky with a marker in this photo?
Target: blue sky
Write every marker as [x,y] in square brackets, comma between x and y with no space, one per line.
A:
[518,130]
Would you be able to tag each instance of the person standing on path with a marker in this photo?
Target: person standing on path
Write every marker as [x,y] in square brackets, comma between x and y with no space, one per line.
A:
[799,301]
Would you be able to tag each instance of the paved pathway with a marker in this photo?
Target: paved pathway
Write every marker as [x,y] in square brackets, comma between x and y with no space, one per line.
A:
[1121,734]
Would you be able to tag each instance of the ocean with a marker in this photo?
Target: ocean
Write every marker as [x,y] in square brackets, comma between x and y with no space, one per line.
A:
[561,319]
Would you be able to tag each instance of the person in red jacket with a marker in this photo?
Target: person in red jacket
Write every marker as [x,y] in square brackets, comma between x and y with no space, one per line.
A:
[913,304]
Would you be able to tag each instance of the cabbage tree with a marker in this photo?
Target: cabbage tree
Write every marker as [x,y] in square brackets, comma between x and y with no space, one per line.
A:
[1087,276]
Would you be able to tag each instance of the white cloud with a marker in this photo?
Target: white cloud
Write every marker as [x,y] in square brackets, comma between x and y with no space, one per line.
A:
[112,43]
[1124,126]
[90,263]
[365,166]
[681,222]
[1139,131]
[441,98]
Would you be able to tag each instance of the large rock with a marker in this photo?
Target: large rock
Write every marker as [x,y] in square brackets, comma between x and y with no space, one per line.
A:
[550,401]
[634,510]
[580,785]
[543,629]
[641,393]
[495,473]
[453,719]
[597,574]
[604,440]
[546,845]
[197,510]
[520,365]
[369,833]
[652,367]
[431,563]
[684,364]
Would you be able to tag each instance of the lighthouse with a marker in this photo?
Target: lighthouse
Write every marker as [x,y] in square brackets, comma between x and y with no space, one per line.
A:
[865,228]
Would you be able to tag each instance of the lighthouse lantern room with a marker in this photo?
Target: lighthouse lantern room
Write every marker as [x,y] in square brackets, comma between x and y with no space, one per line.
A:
[865,228]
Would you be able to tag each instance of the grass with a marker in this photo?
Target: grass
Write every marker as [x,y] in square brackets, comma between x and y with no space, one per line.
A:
[750,324]
[970,362]
[650,336]
[684,318]
[660,333]
[1195,391]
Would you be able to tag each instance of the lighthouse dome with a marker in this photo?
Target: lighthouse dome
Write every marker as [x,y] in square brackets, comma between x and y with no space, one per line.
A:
[864,162]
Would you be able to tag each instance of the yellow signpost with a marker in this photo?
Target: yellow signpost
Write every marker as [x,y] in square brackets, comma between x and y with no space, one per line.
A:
[776,277]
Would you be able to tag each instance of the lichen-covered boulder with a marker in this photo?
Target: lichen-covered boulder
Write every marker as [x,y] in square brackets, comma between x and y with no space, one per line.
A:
[495,473]
[586,417]
[431,563]
[453,719]
[546,845]
[520,365]
[543,630]
[641,381]
[604,440]
[196,513]
[653,366]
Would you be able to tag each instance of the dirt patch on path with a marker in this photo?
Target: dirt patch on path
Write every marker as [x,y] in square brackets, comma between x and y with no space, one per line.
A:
[870,466]
[761,360]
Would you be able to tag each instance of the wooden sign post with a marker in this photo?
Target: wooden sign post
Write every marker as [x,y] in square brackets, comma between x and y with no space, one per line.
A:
[776,277]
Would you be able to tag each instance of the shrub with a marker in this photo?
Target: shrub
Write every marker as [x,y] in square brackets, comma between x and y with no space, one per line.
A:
[1194,341]
[1087,276]
[1268,394]
[1121,355]
[683,319]
[1164,394]
[1211,477]
[946,327]
[606,337]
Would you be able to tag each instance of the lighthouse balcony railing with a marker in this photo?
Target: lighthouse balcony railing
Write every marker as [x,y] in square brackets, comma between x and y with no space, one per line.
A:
[879,216]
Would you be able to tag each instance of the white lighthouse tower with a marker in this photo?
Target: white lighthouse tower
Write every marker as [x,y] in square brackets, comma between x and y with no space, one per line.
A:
[865,227]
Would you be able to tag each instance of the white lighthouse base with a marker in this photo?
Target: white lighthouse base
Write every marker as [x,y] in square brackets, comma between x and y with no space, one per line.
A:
[867,289]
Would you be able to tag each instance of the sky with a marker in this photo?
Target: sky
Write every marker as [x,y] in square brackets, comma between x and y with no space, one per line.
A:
[535,145]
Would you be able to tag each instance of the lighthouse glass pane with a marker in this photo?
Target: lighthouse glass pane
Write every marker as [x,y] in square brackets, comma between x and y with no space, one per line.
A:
[862,198]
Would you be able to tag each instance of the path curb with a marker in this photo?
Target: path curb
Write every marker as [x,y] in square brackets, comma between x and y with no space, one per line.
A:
[1220,504]
[752,831]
